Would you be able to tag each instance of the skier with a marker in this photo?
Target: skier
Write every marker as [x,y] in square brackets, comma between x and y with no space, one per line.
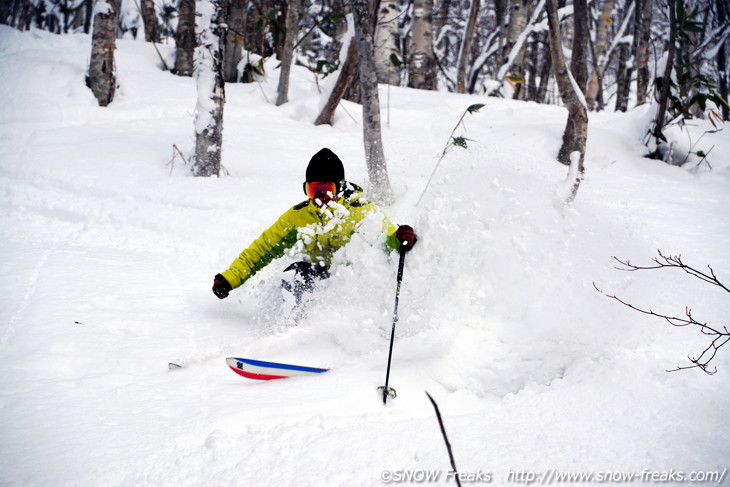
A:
[318,226]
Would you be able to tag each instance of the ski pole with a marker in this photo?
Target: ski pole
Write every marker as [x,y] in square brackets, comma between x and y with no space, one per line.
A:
[401,261]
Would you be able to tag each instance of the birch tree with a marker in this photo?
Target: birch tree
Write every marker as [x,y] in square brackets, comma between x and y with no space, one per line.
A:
[386,42]
[150,21]
[516,42]
[624,68]
[211,94]
[579,56]
[518,33]
[643,14]
[372,137]
[101,78]
[339,82]
[721,59]
[421,65]
[462,63]
[185,39]
[572,151]
[665,83]
[545,68]
[287,56]
[233,51]
[600,54]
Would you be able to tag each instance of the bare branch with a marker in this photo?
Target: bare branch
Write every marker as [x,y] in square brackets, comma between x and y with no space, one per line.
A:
[721,334]
[668,261]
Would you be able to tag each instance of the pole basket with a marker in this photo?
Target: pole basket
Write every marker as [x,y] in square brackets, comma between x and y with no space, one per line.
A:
[387,392]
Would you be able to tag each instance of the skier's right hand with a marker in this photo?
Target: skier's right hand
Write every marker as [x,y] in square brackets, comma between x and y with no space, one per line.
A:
[221,287]
[406,236]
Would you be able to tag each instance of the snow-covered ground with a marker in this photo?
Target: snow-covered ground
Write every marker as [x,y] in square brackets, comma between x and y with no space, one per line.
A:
[107,254]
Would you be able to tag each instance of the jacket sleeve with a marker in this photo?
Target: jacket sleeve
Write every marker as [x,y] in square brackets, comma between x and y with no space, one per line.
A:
[269,246]
[391,241]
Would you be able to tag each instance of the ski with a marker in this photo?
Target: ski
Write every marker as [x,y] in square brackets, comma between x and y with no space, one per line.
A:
[260,370]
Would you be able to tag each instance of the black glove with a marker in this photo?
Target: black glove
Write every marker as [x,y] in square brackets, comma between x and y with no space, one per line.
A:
[406,236]
[221,287]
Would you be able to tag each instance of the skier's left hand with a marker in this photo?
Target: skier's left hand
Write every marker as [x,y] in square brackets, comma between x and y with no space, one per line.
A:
[221,287]
[406,236]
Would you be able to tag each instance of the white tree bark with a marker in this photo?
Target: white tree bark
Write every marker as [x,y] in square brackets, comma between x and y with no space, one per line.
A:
[516,39]
[379,184]
[211,94]
[462,63]
[421,66]
[601,50]
[572,152]
[386,42]
[185,41]
[287,56]
[641,41]
[101,77]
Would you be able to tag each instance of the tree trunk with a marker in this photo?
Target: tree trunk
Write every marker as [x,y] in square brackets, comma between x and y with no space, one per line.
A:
[287,56]
[465,49]
[547,67]
[88,15]
[6,8]
[346,74]
[258,28]
[666,79]
[533,57]
[576,129]
[185,41]
[210,86]
[421,66]
[149,18]
[233,51]
[443,45]
[102,77]
[386,43]
[501,11]
[722,61]
[601,48]
[373,141]
[516,60]
[79,18]
[623,78]
[518,34]
[579,58]
[441,19]
[643,31]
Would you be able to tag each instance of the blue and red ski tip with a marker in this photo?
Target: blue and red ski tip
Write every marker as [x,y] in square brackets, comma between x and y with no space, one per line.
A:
[260,370]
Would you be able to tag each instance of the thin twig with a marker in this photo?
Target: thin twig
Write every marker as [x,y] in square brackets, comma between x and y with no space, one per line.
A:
[448,146]
[175,152]
[664,261]
[721,335]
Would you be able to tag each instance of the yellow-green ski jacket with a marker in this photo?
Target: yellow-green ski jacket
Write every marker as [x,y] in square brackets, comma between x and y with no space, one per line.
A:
[317,233]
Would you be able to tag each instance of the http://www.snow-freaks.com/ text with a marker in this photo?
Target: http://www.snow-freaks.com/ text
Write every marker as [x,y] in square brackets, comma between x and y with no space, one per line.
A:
[552,476]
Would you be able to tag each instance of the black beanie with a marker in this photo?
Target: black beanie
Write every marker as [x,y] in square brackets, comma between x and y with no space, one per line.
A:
[325,166]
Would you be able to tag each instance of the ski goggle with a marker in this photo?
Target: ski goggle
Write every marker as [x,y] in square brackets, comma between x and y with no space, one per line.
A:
[321,190]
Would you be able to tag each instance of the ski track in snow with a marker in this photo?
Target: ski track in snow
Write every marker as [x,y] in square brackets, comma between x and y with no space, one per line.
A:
[108,254]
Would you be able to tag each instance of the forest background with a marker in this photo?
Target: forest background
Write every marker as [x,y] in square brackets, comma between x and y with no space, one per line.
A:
[595,55]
